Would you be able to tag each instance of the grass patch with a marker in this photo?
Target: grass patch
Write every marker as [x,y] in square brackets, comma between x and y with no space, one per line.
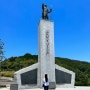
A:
[2,86]
[89,81]
[7,73]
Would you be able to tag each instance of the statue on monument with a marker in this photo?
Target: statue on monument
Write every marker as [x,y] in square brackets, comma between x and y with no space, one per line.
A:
[45,11]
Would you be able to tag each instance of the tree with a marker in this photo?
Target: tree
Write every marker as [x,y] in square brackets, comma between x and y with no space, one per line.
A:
[1,52]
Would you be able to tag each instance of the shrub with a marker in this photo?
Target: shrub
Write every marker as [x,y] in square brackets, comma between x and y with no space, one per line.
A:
[7,74]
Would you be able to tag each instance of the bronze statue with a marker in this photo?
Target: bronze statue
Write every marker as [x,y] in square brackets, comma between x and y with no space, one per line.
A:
[45,12]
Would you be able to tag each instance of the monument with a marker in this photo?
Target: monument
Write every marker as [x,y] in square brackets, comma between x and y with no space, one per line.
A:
[46,48]
[32,76]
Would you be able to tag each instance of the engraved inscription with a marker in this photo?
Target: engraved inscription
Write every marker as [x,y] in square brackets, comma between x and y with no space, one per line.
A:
[47,42]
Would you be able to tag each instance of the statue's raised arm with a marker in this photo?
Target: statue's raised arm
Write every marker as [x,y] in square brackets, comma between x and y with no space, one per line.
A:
[45,11]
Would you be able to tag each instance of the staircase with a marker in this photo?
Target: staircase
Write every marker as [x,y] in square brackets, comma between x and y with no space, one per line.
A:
[6,81]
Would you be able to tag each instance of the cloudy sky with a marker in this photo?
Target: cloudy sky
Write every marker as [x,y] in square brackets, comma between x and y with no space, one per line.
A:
[19,27]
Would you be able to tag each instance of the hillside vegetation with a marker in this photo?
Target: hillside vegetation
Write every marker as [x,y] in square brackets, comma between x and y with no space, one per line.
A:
[82,69]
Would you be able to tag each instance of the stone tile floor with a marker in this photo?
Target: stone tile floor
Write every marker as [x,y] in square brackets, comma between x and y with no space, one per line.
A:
[76,88]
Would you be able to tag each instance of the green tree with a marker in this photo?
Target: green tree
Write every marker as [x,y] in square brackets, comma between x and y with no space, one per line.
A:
[1,50]
[1,53]
[81,79]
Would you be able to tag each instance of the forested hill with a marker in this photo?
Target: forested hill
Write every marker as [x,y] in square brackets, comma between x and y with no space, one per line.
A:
[82,69]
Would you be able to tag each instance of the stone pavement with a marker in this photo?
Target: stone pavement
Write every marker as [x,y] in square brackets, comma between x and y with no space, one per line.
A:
[76,88]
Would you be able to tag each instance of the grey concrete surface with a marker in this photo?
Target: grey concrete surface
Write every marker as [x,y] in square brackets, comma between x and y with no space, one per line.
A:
[46,58]
[76,88]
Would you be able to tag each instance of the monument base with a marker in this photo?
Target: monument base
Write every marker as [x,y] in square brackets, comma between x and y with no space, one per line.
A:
[27,78]
[64,77]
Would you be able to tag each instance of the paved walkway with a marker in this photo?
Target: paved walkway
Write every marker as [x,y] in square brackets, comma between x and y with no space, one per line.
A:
[76,88]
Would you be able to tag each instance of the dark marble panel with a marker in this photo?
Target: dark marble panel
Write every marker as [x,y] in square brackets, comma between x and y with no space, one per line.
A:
[62,77]
[29,77]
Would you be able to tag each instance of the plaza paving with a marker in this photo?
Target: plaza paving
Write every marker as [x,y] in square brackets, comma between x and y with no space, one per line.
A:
[76,88]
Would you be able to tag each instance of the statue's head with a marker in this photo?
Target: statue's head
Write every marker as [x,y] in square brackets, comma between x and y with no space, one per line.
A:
[44,5]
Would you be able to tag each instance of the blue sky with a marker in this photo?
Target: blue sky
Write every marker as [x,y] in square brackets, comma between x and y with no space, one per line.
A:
[19,27]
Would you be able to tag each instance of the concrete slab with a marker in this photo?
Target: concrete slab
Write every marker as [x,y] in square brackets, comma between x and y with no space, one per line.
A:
[76,88]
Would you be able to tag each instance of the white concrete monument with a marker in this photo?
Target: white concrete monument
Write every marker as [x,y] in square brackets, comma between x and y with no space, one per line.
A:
[33,75]
[46,58]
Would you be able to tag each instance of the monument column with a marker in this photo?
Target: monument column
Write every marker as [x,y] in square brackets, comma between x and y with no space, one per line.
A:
[46,52]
